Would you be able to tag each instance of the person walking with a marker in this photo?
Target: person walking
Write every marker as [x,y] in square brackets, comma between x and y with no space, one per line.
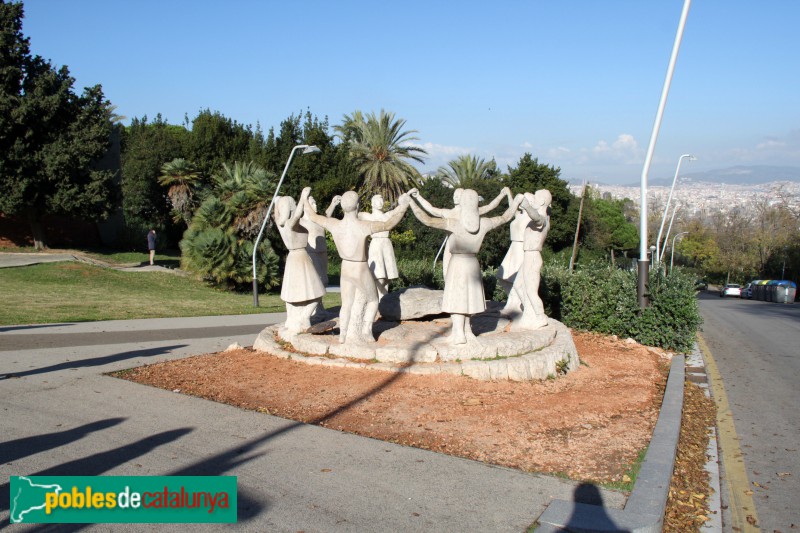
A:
[151,244]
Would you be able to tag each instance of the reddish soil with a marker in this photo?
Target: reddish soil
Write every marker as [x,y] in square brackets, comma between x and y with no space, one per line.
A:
[590,424]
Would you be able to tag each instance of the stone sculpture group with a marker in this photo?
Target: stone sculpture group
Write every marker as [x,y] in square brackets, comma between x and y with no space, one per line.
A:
[367,269]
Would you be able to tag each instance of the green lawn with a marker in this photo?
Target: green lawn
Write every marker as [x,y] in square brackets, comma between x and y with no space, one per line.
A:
[78,292]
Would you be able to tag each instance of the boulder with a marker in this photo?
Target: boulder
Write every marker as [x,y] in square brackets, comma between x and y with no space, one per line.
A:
[411,303]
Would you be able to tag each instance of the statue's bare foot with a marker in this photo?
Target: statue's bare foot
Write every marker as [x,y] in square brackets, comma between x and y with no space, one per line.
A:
[457,339]
[366,338]
[529,323]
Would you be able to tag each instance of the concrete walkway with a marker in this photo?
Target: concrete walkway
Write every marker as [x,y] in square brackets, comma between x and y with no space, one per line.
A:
[62,416]
[13,259]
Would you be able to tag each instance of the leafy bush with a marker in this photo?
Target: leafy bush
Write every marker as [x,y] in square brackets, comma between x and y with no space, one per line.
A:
[418,272]
[599,298]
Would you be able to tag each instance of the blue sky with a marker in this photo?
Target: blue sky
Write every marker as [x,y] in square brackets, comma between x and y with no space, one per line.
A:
[575,83]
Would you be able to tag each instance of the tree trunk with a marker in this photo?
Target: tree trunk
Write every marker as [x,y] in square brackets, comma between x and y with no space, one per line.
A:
[613,262]
[37,231]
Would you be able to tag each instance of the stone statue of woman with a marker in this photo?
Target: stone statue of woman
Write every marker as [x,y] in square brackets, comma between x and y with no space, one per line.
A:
[302,288]
[512,262]
[444,213]
[381,257]
[463,286]
[526,283]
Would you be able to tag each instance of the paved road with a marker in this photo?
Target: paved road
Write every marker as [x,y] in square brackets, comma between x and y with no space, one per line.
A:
[60,415]
[756,346]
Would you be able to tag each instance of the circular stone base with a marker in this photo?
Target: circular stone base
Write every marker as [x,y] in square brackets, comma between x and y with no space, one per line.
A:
[421,347]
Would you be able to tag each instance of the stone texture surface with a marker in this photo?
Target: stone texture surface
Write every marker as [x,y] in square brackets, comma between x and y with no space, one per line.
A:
[411,303]
[417,347]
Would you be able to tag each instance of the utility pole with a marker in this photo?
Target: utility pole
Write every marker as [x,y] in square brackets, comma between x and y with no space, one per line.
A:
[577,229]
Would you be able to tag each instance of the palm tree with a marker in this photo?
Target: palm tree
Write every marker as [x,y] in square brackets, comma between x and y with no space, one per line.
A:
[466,169]
[181,177]
[247,189]
[219,242]
[378,149]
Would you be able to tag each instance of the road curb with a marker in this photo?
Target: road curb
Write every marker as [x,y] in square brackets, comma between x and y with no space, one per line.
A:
[644,510]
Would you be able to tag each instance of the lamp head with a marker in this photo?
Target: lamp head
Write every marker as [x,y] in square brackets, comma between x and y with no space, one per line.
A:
[311,150]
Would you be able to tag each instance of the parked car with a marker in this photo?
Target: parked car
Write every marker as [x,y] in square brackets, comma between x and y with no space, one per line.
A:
[731,289]
[700,285]
[747,291]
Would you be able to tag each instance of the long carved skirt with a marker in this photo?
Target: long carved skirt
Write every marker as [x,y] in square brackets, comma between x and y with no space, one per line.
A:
[463,288]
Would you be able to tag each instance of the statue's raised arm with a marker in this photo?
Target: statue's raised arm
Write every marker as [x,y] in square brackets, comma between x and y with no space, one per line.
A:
[504,194]
[334,202]
[395,216]
[426,205]
[323,221]
[508,214]
[425,218]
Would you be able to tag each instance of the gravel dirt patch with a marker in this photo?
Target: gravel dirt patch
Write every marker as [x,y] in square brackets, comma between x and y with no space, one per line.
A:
[590,424]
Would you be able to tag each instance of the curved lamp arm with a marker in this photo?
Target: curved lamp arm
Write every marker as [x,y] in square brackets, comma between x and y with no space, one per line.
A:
[307,149]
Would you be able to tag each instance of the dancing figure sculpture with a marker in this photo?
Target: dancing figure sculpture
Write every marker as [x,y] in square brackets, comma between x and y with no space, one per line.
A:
[381,257]
[444,213]
[359,291]
[512,262]
[463,286]
[526,283]
[302,288]
[317,247]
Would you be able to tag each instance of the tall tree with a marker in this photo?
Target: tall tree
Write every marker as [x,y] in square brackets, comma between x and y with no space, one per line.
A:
[146,146]
[182,177]
[378,147]
[50,137]
[215,140]
[466,169]
[606,227]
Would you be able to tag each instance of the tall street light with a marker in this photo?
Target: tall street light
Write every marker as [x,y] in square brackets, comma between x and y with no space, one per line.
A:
[672,252]
[669,230]
[644,261]
[307,149]
[659,254]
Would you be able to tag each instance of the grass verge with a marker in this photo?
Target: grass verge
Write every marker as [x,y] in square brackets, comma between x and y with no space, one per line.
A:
[78,292]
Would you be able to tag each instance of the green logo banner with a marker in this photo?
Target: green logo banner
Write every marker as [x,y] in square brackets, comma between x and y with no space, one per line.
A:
[122,499]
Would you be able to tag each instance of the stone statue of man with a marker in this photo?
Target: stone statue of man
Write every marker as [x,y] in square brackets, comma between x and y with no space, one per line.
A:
[359,291]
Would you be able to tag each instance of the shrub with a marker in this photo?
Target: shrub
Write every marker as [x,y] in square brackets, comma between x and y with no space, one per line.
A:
[418,272]
[600,298]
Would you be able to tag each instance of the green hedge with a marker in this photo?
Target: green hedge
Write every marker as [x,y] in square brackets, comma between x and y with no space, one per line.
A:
[595,297]
[603,299]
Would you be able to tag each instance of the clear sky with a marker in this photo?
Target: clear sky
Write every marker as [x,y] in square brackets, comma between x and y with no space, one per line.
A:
[575,83]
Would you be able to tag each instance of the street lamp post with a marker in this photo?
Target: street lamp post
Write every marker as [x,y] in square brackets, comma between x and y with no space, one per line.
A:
[659,253]
[307,149]
[643,265]
[672,251]
[669,230]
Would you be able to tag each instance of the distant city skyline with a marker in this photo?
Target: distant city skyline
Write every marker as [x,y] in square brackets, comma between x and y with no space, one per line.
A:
[575,84]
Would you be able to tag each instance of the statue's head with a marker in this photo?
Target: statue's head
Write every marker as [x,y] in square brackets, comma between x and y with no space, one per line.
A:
[457,196]
[530,198]
[349,201]
[284,207]
[377,203]
[543,198]
[470,216]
